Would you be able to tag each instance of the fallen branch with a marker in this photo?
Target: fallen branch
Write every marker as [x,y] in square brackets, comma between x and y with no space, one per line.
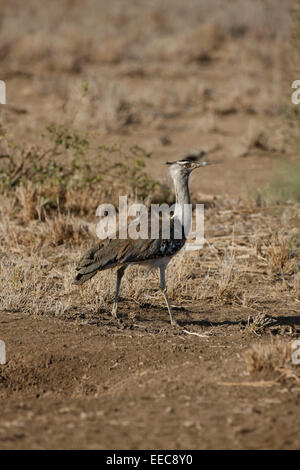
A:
[196,334]
[261,383]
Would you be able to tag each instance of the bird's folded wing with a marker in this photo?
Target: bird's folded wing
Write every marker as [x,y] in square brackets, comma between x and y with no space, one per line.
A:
[112,252]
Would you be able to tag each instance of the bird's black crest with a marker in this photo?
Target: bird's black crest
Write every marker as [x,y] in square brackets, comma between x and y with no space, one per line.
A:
[192,156]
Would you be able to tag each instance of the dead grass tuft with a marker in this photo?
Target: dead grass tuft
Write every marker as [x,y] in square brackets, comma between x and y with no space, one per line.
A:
[259,324]
[280,257]
[273,357]
[227,288]
[63,230]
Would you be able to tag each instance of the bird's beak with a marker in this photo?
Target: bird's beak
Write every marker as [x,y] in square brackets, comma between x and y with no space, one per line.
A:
[199,164]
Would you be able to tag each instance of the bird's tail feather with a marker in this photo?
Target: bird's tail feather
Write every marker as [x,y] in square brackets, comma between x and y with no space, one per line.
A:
[81,277]
[87,271]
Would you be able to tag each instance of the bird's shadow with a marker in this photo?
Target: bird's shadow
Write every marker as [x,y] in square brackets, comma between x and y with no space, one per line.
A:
[295,320]
[208,323]
[280,320]
[204,323]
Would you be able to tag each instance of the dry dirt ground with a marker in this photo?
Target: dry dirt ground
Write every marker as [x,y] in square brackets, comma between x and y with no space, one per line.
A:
[91,385]
[210,74]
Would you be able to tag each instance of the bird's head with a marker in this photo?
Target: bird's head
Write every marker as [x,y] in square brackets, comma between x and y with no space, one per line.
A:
[183,168]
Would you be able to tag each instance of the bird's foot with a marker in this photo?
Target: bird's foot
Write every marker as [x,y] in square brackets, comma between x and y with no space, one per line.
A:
[174,323]
[114,313]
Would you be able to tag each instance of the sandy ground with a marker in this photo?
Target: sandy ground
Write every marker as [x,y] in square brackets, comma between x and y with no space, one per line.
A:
[90,384]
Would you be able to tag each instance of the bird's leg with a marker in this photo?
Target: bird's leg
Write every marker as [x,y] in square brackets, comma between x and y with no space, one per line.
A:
[163,287]
[120,274]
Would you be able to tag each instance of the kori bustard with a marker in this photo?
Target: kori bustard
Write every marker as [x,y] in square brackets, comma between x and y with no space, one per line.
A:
[154,252]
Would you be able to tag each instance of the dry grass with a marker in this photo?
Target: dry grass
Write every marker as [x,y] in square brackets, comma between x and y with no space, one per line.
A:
[280,255]
[38,259]
[273,357]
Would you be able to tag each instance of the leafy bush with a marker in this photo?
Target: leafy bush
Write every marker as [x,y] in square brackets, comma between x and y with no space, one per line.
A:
[69,174]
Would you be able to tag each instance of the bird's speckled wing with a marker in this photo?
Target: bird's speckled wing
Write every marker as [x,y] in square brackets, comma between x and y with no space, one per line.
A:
[112,252]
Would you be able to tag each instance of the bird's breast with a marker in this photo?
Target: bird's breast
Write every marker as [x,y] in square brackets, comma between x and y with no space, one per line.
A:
[170,246]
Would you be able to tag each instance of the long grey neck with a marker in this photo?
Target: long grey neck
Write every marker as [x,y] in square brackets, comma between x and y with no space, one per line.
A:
[182,213]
